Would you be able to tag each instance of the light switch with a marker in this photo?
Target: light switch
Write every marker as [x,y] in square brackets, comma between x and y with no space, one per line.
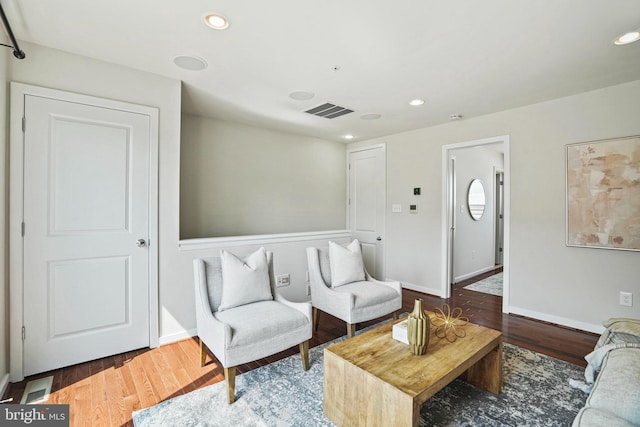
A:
[396,208]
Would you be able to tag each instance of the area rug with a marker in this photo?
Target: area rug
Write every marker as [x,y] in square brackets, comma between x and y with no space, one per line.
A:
[536,392]
[491,285]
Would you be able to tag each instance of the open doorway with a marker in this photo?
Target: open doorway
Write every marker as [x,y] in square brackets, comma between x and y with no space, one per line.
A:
[476,212]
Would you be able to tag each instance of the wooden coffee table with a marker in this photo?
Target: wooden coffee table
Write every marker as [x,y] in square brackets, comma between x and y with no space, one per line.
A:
[374,380]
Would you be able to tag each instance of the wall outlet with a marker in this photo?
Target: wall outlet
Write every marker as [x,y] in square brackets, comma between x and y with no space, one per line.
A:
[282,280]
[473,254]
[626,298]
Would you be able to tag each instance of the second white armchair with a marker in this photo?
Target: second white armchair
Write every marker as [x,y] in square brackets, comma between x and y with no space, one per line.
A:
[353,298]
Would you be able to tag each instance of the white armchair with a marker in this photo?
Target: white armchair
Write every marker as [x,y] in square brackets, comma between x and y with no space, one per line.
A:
[355,302]
[247,332]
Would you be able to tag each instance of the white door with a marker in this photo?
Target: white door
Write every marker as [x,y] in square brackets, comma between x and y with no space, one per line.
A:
[367,205]
[86,205]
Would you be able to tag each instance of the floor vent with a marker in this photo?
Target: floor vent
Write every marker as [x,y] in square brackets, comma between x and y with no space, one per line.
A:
[37,391]
[329,111]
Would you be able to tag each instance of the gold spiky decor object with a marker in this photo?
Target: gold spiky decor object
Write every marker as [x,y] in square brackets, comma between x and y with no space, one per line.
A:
[418,329]
[449,324]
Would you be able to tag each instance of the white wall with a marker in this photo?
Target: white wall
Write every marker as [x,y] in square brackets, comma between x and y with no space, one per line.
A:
[73,73]
[5,57]
[577,287]
[474,246]
[238,180]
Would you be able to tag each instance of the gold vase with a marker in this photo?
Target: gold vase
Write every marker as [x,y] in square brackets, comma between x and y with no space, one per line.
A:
[418,329]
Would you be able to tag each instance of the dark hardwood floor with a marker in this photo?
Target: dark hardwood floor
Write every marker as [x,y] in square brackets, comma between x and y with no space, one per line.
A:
[104,392]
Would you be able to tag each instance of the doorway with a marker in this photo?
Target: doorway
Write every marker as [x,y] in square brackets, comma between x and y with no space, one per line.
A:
[499,216]
[83,233]
[459,213]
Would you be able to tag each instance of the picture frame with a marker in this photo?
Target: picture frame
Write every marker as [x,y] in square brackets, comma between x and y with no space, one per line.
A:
[603,194]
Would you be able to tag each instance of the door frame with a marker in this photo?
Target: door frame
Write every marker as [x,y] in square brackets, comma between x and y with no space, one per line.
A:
[445,268]
[16,210]
[350,151]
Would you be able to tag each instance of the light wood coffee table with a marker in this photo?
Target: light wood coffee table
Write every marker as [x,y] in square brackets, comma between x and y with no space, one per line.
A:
[374,380]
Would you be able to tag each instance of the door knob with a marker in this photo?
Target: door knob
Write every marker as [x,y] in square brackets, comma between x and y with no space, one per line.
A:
[378,238]
[141,243]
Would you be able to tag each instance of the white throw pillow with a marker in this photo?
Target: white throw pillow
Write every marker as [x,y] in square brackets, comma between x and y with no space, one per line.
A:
[346,263]
[244,280]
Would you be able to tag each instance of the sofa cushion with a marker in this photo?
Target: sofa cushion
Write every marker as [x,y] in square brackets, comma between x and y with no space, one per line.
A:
[592,417]
[616,389]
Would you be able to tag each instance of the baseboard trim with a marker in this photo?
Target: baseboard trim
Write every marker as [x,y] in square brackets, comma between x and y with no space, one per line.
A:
[563,321]
[179,336]
[4,384]
[474,273]
[423,289]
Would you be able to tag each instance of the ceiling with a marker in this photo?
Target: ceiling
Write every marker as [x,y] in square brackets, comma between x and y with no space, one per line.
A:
[464,57]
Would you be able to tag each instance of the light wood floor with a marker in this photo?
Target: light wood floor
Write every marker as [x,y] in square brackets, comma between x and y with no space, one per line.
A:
[104,392]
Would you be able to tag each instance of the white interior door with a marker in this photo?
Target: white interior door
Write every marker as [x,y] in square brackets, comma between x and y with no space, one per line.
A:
[86,205]
[367,205]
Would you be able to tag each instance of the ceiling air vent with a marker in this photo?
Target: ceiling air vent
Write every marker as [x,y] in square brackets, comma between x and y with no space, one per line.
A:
[329,111]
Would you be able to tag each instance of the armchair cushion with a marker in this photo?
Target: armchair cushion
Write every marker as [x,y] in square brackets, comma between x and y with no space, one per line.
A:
[346,263]
[244,281]
[368,294]
[261,321]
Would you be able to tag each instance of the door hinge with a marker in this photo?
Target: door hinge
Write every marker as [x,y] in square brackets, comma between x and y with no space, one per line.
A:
[23,228]
[349,166]
[24,124]
[24,334]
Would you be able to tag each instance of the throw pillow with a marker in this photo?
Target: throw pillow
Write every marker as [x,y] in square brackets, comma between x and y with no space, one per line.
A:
[244,280]
[346,263]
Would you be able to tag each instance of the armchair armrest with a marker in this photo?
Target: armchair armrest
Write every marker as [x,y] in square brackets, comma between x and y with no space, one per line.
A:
[322,296]
[303,307]
[395,285]
[215,334]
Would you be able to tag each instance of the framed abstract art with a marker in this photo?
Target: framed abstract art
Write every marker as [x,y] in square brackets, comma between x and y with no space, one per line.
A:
[603,194]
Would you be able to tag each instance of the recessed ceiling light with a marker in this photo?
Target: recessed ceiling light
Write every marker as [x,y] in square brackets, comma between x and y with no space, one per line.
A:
[301,95]
[348,136]
[189,62]
[416,102]
[370,116]
[216,21]
[630,37]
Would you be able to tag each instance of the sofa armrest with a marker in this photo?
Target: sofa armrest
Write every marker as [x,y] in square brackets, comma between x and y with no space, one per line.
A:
[620,330]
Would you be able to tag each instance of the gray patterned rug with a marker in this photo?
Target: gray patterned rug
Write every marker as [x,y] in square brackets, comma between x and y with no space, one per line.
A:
[536,393]
[491,285]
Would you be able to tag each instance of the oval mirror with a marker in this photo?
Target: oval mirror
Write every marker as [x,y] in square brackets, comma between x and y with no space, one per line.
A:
[476,199]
